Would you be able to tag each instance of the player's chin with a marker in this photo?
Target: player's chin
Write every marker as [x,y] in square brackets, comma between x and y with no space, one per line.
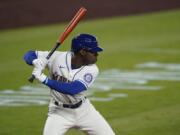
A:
[93,61]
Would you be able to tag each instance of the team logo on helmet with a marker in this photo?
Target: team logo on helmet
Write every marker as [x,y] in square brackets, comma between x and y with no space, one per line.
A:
[88,77]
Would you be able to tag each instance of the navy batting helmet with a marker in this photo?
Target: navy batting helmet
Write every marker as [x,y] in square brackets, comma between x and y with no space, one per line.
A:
[85,41]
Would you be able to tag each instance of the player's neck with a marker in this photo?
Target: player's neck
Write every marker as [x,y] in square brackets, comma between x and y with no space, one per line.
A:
[76,62]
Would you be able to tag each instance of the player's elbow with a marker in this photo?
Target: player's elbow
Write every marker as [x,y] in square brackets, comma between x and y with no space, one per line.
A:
[77,87]
[72,93]
[72,88]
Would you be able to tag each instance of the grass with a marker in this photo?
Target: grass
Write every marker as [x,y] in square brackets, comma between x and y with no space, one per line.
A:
[126,42]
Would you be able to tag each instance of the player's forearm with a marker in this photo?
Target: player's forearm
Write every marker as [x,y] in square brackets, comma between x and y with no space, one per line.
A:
[65,88]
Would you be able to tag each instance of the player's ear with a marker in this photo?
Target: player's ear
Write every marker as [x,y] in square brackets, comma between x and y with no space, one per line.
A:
[82,52]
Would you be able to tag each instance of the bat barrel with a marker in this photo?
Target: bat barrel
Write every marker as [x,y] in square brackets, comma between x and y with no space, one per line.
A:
[79,15]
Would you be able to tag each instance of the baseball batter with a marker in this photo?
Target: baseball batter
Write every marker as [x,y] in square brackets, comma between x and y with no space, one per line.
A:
[70,75]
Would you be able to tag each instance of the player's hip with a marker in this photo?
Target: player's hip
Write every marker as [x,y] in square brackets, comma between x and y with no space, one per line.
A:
[79,106]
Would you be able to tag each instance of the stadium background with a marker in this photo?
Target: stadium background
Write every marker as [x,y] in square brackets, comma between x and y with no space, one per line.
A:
[140,63]
[18,13]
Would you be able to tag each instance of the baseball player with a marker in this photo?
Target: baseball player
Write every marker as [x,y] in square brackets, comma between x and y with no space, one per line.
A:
[70,75]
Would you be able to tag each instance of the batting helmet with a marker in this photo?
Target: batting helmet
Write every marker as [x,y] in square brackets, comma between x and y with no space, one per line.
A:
[85,41]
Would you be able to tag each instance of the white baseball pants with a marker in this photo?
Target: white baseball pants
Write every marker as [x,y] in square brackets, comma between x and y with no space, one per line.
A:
[85,118]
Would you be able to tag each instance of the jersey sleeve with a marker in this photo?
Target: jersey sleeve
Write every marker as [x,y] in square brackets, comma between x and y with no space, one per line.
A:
[87,75]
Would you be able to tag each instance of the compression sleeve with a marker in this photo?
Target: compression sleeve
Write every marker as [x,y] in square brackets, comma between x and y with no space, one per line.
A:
[71,88]
[29,57]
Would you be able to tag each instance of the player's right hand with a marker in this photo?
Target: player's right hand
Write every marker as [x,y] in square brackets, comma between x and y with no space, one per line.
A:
[37,72]
[40,63]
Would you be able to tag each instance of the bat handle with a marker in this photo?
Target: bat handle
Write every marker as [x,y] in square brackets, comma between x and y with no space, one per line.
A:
[31,79]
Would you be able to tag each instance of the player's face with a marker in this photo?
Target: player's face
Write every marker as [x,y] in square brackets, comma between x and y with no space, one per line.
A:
[90,57]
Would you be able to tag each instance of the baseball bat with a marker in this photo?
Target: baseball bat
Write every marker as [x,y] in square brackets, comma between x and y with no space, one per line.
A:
[78,16]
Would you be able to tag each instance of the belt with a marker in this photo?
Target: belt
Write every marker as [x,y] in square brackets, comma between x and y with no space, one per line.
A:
[72,106]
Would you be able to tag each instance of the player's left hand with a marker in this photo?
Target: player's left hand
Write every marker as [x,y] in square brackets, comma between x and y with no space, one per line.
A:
[40,63]
[37,72]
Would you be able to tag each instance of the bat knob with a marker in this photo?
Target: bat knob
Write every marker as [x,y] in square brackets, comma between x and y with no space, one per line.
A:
[31,79]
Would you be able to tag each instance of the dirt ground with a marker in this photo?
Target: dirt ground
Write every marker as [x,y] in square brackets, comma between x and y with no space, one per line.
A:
[22,13]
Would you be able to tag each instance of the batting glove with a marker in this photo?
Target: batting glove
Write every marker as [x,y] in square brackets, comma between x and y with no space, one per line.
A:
[40,63]
[41,77]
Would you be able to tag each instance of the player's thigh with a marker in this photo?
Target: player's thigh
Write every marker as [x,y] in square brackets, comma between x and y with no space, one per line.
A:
[95,124]
[56,125]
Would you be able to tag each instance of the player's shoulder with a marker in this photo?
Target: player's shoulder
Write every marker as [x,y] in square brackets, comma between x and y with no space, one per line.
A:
[90,72]
[92,68]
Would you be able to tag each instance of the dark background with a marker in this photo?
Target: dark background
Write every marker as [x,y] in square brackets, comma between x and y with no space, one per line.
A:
[22,13]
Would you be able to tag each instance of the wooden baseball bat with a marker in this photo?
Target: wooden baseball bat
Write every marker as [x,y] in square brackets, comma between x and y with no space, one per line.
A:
[78,16]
